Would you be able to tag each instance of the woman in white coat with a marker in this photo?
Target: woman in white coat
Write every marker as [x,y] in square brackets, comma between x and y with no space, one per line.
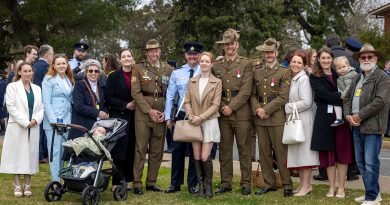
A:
[57,87]
[300,156]
[20,154]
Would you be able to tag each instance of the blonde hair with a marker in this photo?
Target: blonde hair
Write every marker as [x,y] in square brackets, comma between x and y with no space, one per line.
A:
[209,54]
[338,60]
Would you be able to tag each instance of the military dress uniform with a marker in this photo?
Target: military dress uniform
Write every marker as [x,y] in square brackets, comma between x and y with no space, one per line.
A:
[148,87]
[236,77]
[271,87]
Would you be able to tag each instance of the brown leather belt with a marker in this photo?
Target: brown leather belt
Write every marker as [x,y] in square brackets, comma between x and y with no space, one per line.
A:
[265,100]
[153,94]
[230,94]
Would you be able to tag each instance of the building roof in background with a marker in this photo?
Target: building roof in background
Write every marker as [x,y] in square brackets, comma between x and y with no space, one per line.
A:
[381,11]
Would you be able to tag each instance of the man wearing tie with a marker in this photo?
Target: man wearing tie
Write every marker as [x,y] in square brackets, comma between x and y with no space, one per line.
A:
[178,85]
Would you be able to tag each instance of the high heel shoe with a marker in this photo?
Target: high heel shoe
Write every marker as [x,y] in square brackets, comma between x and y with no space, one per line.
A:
[330,193]
[17,191]
[296,190]
[27,190]
[340,194]
[304,194]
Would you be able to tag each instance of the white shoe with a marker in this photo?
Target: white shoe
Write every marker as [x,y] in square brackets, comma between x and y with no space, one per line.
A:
[362,199]
[371,203]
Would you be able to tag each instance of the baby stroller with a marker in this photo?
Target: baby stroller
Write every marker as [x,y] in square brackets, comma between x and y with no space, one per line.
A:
[96,181]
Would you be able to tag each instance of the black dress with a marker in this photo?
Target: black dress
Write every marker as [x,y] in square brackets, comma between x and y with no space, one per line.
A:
[118,95]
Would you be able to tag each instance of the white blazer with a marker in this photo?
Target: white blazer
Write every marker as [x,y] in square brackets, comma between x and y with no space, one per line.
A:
[20,154]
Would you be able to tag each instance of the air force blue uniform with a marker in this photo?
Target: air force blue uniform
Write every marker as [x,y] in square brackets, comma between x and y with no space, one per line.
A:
[178,85]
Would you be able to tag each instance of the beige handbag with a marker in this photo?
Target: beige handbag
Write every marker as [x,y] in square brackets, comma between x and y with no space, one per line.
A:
[185,132]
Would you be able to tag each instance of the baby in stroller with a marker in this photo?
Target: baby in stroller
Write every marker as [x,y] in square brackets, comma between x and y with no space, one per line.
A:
[84,142]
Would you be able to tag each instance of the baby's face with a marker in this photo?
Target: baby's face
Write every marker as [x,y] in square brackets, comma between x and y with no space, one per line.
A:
[100,131]
[342,67]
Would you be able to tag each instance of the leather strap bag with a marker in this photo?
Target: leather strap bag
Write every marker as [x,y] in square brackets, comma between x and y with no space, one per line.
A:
[184,131]
[293,132]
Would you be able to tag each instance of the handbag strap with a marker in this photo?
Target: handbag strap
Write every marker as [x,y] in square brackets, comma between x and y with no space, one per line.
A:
[90,93]
[296,112]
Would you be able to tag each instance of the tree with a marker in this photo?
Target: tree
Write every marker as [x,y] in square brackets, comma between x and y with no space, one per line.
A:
[56,22]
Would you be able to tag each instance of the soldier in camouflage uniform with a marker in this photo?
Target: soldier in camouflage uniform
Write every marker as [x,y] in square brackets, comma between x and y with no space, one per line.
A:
[148,87]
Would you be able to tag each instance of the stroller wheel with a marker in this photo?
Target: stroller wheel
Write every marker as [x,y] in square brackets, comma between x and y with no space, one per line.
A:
[53,191]
[120,193]
[90,196]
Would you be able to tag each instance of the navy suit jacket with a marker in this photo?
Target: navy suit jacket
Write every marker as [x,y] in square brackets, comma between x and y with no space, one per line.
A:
[41,67]
[84,113]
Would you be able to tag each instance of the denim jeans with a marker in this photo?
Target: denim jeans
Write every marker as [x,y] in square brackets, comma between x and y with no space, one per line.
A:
[367,149]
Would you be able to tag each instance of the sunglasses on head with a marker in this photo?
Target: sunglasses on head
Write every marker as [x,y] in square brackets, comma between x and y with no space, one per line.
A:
[366,57]
[93,71]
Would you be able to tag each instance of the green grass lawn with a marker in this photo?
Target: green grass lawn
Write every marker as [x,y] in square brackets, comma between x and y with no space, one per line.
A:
[40,180]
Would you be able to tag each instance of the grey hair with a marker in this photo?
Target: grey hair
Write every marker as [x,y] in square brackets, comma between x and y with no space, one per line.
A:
[43,49]
[90,62]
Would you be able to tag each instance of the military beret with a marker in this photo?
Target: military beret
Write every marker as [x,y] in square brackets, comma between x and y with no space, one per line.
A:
[192,47]
[353,44]
[81,46]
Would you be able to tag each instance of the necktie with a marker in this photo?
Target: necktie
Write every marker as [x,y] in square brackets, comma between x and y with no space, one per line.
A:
[191,73]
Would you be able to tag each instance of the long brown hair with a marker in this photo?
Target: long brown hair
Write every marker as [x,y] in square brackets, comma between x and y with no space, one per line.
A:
[318,70]
[111,63]
[310,52]
[17,76]
[52,72]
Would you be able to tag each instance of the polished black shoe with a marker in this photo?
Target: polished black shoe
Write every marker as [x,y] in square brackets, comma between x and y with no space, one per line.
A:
[246,190]
[172,189]
[138,191]
[192,189]
[352,177]
[320,178]
[264,191]
[288,193]
[223,190]
[153,188]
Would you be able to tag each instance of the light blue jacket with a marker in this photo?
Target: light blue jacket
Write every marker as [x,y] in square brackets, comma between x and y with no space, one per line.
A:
[57,101]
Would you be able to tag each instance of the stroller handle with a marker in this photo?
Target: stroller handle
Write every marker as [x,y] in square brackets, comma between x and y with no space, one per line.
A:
[79,127]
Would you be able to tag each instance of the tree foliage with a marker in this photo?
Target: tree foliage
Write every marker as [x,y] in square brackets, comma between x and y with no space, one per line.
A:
[56,22]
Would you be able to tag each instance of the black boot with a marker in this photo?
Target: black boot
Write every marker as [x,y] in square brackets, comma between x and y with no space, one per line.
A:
[199,176]
[2,126]
[208,172]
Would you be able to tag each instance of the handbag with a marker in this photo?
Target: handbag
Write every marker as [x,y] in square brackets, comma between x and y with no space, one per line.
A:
[293,132]
[185,132]
[258,179]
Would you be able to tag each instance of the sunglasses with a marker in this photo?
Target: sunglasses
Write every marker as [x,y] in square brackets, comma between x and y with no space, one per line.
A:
[366,57]
[94,71]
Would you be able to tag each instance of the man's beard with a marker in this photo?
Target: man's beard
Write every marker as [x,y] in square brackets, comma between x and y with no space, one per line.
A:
[367,67]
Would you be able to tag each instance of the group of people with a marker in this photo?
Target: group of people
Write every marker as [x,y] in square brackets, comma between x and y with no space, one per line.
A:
[341,102]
